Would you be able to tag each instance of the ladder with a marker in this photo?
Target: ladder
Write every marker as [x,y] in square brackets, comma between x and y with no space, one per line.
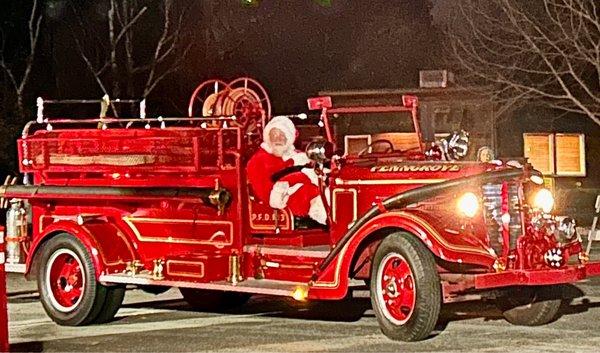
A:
[594,234]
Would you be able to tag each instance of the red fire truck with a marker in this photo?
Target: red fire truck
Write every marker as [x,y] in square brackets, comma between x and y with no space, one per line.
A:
[164,202]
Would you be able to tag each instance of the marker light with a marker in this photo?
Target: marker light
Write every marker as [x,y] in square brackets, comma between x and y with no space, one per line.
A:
[468,204]
[300,294]
[537,179]
[505,218]
[544,200]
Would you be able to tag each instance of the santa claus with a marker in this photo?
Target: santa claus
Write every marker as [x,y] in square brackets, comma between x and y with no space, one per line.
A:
[281,175]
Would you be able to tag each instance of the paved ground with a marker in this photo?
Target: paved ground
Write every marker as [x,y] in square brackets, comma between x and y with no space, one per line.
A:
[149,323]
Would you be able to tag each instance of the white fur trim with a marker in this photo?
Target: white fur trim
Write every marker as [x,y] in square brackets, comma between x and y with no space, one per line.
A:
[310,173]
[287,126]
[282,123]
[300,158]
[317,210]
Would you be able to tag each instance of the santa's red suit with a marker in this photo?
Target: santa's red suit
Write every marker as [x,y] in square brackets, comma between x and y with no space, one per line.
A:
[297,190]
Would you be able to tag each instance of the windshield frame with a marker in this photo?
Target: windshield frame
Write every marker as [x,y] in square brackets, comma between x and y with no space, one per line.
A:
[412,109]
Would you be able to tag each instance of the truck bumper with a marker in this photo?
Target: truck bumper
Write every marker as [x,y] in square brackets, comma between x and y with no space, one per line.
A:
[569,274]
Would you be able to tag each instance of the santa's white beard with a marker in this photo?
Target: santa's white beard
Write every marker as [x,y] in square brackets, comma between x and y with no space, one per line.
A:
[279,150]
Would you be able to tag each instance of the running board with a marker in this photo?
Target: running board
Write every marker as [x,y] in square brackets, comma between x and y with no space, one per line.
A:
[250,285]
[317,252]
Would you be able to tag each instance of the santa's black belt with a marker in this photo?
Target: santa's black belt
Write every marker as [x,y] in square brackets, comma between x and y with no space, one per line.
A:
[285,171]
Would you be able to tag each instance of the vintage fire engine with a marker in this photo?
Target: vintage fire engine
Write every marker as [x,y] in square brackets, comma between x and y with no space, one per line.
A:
[164,202]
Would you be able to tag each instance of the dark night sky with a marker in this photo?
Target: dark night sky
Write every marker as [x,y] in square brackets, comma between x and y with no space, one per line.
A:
[295,48]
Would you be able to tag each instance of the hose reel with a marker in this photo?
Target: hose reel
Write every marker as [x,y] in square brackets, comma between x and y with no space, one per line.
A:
[242,103]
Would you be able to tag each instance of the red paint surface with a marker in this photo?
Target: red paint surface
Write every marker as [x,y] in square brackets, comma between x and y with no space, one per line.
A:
[66,280]
[398,288]
[3,303]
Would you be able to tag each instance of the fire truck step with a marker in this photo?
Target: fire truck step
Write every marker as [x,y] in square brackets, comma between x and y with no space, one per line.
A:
[285,263]
[250,285]
[318,251]
[15,268]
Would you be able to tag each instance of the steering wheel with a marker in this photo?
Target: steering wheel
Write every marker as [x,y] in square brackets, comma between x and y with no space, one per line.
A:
[389,149]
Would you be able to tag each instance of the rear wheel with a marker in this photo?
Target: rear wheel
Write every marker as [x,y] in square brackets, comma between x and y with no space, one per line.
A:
[531,306]
[211,300]
[112,304]
[67,284]
[405,288]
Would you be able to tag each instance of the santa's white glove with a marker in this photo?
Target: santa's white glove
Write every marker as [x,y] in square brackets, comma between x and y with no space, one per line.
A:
[279,197]
[280,194]
[300,158]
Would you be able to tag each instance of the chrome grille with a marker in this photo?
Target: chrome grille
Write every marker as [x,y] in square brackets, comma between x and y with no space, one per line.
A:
[492,210]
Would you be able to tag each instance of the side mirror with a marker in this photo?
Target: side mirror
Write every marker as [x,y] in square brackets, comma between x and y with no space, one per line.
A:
[320,151]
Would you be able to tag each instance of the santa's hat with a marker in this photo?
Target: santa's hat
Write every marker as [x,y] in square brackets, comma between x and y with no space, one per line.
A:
[284,124]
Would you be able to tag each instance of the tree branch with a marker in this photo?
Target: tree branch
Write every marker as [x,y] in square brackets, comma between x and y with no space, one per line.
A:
[530,50]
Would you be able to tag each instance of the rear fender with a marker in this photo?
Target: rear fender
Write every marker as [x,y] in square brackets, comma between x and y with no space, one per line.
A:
[332,283]
[108,248]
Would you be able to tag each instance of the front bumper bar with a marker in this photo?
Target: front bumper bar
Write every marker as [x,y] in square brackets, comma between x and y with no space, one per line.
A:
[569,274]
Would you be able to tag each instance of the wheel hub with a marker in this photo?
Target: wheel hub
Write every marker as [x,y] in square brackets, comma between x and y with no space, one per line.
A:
[65,280]
[396,289]
[391,289]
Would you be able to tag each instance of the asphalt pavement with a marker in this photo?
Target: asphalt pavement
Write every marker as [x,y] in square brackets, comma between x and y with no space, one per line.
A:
[165,323]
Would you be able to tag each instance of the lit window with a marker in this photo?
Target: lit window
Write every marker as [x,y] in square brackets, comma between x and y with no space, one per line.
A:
[556,154]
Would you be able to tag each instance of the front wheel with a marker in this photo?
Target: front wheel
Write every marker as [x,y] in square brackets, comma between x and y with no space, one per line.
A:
[405,288]
[531,306]
[66,280]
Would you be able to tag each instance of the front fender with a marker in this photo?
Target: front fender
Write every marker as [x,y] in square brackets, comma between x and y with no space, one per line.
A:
[106,245]
[332,283]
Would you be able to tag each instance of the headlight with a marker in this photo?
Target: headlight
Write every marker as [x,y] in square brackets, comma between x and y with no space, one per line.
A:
[544,200]
[468,204]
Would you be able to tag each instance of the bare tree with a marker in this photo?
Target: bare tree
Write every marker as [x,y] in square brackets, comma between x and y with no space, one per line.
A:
[546,51]
[19,82]
[116,63]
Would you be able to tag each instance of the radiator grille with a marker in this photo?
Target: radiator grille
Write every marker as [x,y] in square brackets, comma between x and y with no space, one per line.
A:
[492,208]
